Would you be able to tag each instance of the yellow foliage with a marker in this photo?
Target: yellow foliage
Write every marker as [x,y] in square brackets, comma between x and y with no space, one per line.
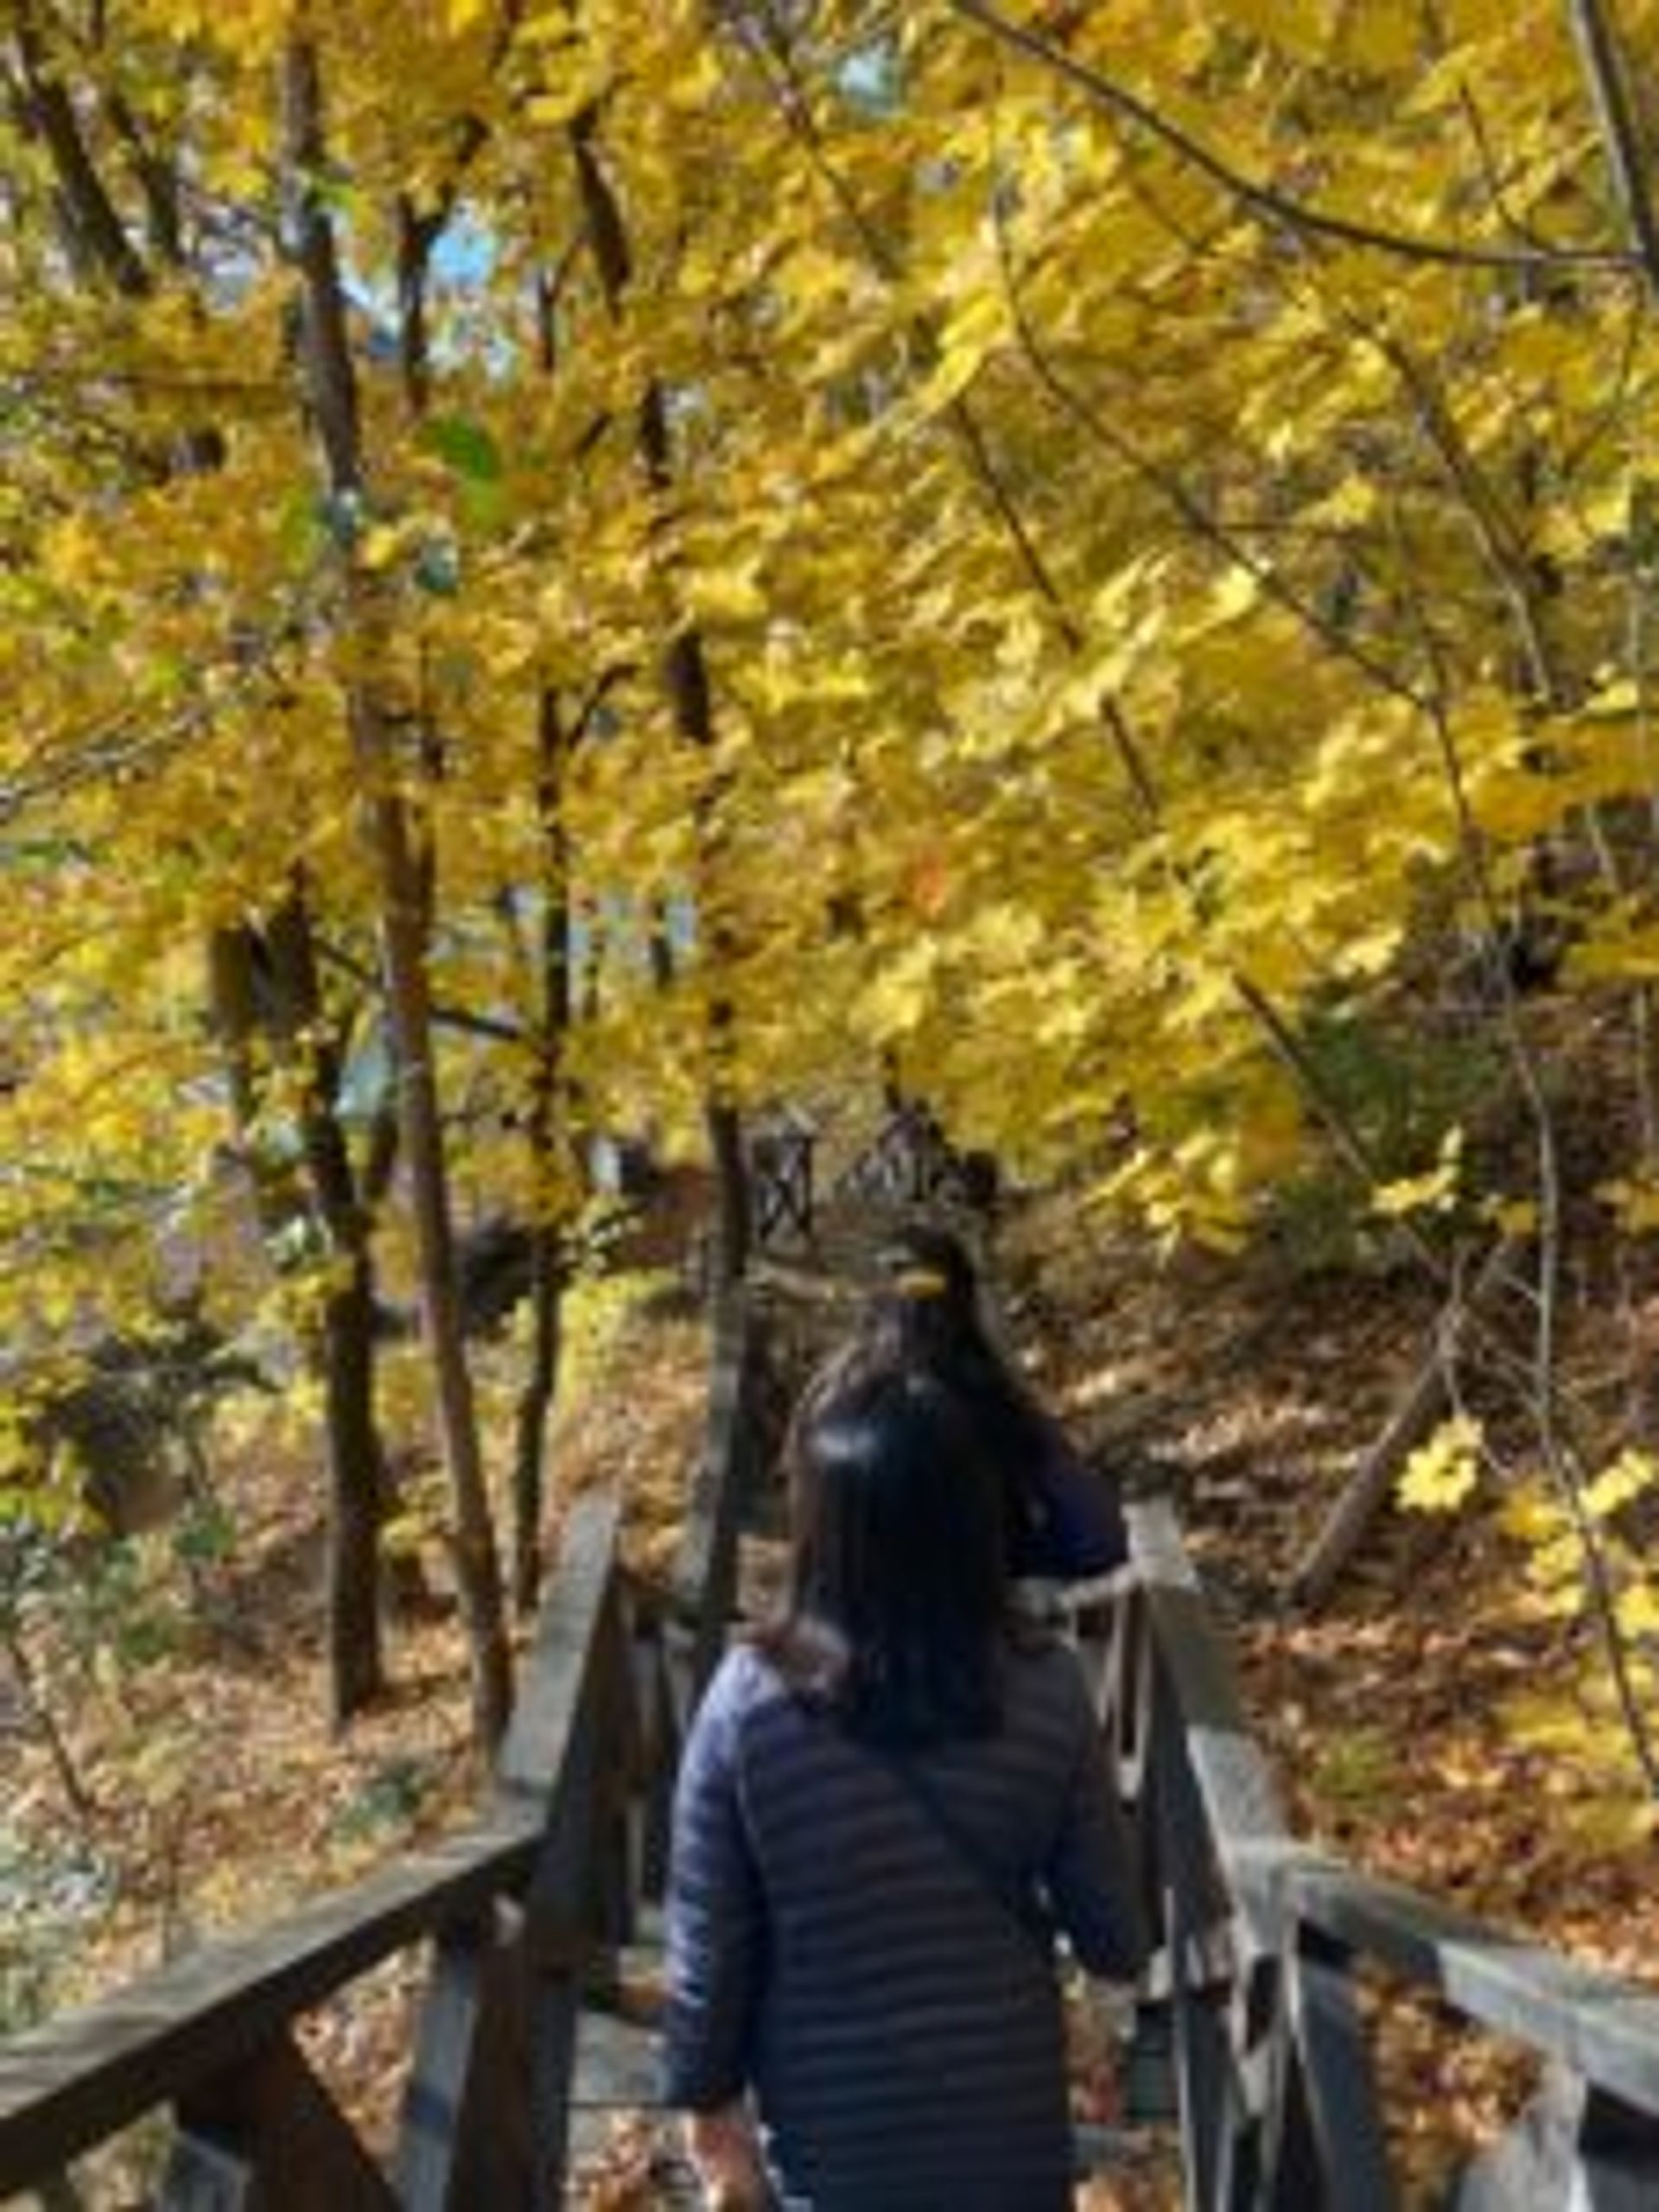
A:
[1433,1190]
[1441,1473]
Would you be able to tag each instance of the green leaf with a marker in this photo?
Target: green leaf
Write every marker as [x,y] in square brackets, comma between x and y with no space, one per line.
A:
[465,445]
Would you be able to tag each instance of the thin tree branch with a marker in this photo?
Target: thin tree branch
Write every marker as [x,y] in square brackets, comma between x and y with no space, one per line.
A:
[1266,204]
[1176,493]
[91,212]
[1627,161]
[459,1018]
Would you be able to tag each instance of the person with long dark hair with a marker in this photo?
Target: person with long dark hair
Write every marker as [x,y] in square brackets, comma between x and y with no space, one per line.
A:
[892,1800]
[1062,1519]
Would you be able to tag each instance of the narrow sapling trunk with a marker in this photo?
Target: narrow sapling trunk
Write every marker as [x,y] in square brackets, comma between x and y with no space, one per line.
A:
[535,1411]
[691,697]
[356,1493]
[546,1134]
[732,1205]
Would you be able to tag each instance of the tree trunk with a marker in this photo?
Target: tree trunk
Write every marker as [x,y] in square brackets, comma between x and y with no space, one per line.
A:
[478,1570]
[356,1490]
[404,896]
[340,1349]
[732,1212]
[534,1407]
[547,1131]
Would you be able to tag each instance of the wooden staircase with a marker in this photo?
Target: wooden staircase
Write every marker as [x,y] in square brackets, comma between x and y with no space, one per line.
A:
[537,1918]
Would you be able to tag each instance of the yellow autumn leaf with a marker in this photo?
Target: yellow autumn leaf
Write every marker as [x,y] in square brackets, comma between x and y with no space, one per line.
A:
[1531,1515]
[1629,1477]
[1635,1204]
[1638,1610]
[1440,1474]
[1432,1192]
[1512,1218]
[729,594]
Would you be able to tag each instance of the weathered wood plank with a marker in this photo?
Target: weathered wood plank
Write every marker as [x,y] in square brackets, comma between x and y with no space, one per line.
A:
[555,1676]
[1213,1796]
[1601,2027]
[78,2079]
[1336,2075]
[497,2169]
[1567,2148]
[1240,1798]
[706,1570]
[428,2133]
[206,2176]
[273,2118]
[553,2014]
[654,1695]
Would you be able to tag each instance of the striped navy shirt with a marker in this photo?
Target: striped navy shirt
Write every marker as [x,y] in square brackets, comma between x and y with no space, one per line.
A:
[833,1953]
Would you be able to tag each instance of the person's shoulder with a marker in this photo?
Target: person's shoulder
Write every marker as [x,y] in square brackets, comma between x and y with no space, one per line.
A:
[744,1681]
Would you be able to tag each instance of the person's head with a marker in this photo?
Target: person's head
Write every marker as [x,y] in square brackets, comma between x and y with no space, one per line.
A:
[933,1265]
[899,1592]
[926,1320]
[925,1312]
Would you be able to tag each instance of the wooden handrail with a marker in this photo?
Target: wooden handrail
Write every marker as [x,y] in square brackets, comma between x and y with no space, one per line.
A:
[189,2033]
[82,2077]
[1260,1938]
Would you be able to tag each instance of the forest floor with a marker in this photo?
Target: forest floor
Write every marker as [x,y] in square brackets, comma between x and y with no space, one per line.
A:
[1397,1718]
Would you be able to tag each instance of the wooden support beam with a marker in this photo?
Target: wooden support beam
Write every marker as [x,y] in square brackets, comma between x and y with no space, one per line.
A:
[1336,2075]
[706,1572]
[265,2133]
[206,2176]
[84,2076]
[435,2097]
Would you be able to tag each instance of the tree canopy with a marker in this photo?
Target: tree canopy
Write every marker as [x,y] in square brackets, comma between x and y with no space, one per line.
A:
[1088,550]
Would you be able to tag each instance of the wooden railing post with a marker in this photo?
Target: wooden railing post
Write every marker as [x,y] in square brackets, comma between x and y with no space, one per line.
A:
[514,1907]
[706,1574]
[486,2113]
[1618,2155]
[465,2138]
[659,1757]
[1196,1955]
[612,1891]
[265,2132]
[1333,2071]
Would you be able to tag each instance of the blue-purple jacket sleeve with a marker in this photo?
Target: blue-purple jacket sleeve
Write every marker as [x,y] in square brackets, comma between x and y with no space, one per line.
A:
[716,1921]
[1071,1524]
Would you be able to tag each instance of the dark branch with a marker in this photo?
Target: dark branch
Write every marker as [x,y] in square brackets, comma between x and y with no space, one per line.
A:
[1626,157]
[1263,201]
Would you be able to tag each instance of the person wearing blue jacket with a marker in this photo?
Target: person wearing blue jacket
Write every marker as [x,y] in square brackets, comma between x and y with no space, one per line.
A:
[892,1800]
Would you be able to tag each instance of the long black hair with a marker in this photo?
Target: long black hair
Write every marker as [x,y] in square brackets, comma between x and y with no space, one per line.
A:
[924,1319]
[898,1599]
